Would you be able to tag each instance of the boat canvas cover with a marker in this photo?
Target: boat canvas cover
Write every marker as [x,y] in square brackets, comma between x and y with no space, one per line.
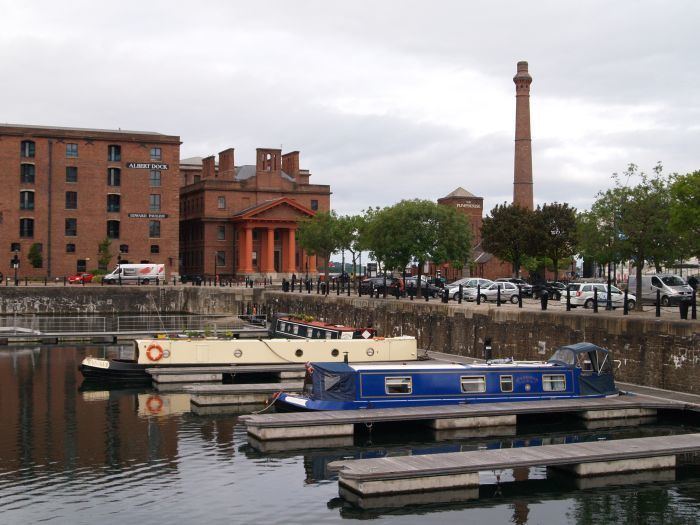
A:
[596,367]
[334,381]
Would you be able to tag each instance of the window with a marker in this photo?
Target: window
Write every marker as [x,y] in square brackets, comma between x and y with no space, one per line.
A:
[123,248]
[222,203]
[71,200]
[71,174]
[114,153]
[15,247]
[398,385]
[70,248]
[27,173]
[114,176]
[221,232]
[473,384]
[506,383]
[197,178]
[27,149]
[155,154]
[81,266]
[155,248]
[26,200]
[154,228]
[221,258]
[113,229]
[554,383]
[154,178]
[154,202]
[71,151]
[314,204]
[113,202]
[26,227]
[71,227]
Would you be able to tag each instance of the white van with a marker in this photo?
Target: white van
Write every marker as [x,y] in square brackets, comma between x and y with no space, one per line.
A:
[136,273]
[673,289]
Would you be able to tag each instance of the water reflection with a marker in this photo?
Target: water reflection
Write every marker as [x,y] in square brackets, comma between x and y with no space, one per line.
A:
[79,453]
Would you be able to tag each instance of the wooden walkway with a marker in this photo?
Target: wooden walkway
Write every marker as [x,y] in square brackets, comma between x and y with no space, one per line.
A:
[449,471]
[383,415]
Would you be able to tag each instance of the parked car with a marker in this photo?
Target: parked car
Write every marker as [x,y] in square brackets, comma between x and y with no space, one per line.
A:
[554,289]
[425,286]
[672,289]
[509,292]
[466,282]
[377,284]
[525,287]
[80,278]
[582,294]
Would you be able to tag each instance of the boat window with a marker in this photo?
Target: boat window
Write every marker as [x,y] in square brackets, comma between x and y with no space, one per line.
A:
[398,385]
[346,335]
[584,361]
[296,329]
[302,331]
[605,366]
[471,384]
[506,383]
[554,383]
[329,335]
[564,355]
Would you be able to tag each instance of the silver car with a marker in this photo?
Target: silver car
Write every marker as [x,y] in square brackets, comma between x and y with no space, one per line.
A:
[466,282]
[509,292]
[582,294]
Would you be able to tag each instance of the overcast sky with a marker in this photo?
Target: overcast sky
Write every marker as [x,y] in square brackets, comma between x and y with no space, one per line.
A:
[385,100]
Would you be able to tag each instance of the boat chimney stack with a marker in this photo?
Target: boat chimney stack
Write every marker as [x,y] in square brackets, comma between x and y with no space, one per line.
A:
[345,358]
[487,349]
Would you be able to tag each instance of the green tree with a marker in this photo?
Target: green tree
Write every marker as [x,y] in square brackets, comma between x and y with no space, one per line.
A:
[319,236]
[556,227]
[685,212]
[34,256]
[349,228]
[508,233]
[104,256]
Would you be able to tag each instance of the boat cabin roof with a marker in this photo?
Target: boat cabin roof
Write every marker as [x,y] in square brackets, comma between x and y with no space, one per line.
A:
[345,368]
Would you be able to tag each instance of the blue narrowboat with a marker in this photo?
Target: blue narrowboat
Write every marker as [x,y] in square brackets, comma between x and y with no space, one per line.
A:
[581,370]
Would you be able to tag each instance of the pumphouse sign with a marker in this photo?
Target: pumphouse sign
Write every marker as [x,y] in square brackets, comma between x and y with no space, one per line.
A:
[148,215]
[147,165]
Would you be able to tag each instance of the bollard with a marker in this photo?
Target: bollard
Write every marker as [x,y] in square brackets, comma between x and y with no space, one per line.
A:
[157,281]
[693,309]
[520,297]
[683,307]
[26,281]
[544,299]
[461,289]
[498,296]
[658,303]
[348,288]
[359,290]
[625,308]
[445,295]
[478,294]
[318,286]
[337,288]
[44,281]
[595,300]
[64,281]
[568,299]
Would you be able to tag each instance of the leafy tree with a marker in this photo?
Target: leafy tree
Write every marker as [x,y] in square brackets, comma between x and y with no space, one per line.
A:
[508,233]
[34,256]
[556,227]
[632,221]
[685,212]
[349,228]
[319,235]
[104,256]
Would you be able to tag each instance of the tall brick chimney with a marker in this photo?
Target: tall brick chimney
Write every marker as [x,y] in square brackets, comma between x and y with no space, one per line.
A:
[227,169]
[522,180]
[208,167]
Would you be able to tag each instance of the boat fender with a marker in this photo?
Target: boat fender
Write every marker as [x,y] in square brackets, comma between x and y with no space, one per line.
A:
[154,352]
[154,404]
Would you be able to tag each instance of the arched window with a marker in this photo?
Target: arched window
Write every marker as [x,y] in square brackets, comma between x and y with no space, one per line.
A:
[27,149]
[26,200]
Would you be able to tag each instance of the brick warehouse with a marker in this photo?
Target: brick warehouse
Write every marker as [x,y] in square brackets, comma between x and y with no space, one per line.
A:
[67,189]
[242,220]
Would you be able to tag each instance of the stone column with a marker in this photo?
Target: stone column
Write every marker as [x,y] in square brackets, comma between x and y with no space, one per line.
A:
[522,180]
[312,264]
[269,250]
[290,252]
[245,252]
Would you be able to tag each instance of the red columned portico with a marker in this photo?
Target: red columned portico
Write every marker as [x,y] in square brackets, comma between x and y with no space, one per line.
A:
[265,239]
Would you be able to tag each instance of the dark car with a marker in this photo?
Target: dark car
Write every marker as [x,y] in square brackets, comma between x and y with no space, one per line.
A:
[377,284]
[525,287]
[554,289]
[194,279]
[426,287]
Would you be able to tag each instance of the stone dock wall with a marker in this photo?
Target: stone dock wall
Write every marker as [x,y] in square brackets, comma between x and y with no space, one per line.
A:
[654,352]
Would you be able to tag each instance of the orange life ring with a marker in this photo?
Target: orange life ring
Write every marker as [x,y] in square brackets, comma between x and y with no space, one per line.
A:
[154,404]
[158,352]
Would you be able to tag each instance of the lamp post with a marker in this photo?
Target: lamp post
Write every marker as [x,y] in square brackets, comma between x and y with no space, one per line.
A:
[216,260]
[15,265]
[119,266]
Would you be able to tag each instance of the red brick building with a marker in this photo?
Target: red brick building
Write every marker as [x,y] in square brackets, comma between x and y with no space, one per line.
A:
[68,189]
[242,220]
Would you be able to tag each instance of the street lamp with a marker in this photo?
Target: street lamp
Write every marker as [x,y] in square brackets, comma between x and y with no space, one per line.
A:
[15,265]
[216,260]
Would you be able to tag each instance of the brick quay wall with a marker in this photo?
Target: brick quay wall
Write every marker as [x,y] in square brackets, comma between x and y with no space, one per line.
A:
[653,352]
